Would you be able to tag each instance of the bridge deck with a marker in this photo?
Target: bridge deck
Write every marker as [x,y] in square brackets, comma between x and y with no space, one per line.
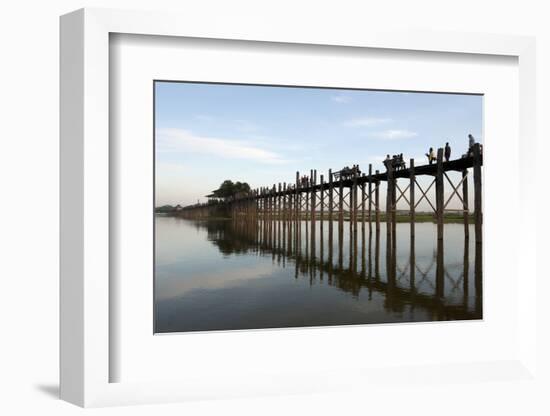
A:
[457,165]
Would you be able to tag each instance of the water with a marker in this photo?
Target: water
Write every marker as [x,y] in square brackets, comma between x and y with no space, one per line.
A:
[221,275]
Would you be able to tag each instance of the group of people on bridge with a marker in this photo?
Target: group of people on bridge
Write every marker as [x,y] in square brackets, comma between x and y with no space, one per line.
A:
[396,162]
[304,181]
[446,154]
[347,173]
[447,151]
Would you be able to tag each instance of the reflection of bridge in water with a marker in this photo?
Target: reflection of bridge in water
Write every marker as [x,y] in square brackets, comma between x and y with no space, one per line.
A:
[354,266]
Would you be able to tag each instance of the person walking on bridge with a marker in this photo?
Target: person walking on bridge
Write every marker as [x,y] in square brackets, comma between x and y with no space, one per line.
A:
[447,152]
[387,162]
[431,155]
[471,144]
[471,141]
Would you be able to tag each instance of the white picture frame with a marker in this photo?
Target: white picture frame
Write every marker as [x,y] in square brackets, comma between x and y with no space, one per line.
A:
[85,220]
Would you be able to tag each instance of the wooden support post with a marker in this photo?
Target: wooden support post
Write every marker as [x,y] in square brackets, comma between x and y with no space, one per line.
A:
[279,214]
[268,216]
[314,220]
[274,215]
[411,197]
[255,215]
[313,201]
[285,207]
[330,217]
[363,200]
[477,194]
[330,200]
[308,191]
[296,209]
[465,207]
[262,202]
[353,208]
[290,217]
[439,194]
[269,223]
[277,223]
[341,207]
[351,213]
[306,210]
[340,223]
[313,182]
[377,205]
[389,201]
[299,217]
[370,199]
[264,216]
[259,208]
[322,207]
[393,215]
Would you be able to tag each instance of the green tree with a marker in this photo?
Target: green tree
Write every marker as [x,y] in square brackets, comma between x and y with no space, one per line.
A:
[228,189]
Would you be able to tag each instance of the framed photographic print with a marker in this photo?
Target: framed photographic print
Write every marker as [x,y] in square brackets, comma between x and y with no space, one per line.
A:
[240,209]
[304,250]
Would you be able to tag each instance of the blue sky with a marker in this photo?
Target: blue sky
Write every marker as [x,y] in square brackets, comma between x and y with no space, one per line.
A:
[206,133]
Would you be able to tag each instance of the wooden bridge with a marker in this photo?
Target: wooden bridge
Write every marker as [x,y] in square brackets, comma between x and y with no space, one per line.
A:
[283,207]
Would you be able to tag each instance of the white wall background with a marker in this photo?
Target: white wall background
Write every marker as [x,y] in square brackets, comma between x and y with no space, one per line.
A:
[29,207]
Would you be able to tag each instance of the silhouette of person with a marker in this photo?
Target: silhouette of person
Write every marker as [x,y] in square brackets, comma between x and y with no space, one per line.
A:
[447,152]
[387,161]
[471,141]
[431,155]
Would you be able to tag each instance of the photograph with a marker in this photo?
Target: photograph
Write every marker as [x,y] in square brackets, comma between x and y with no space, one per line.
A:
[284,206]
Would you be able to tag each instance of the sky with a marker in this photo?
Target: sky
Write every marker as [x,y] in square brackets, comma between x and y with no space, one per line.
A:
[207,133]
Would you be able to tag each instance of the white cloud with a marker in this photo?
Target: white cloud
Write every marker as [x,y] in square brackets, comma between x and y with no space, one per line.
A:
[367,121]
[341,99]
[178,140]
[394,134]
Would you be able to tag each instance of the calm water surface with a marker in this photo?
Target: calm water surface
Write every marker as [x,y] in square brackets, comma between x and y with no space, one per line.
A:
[218,275]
